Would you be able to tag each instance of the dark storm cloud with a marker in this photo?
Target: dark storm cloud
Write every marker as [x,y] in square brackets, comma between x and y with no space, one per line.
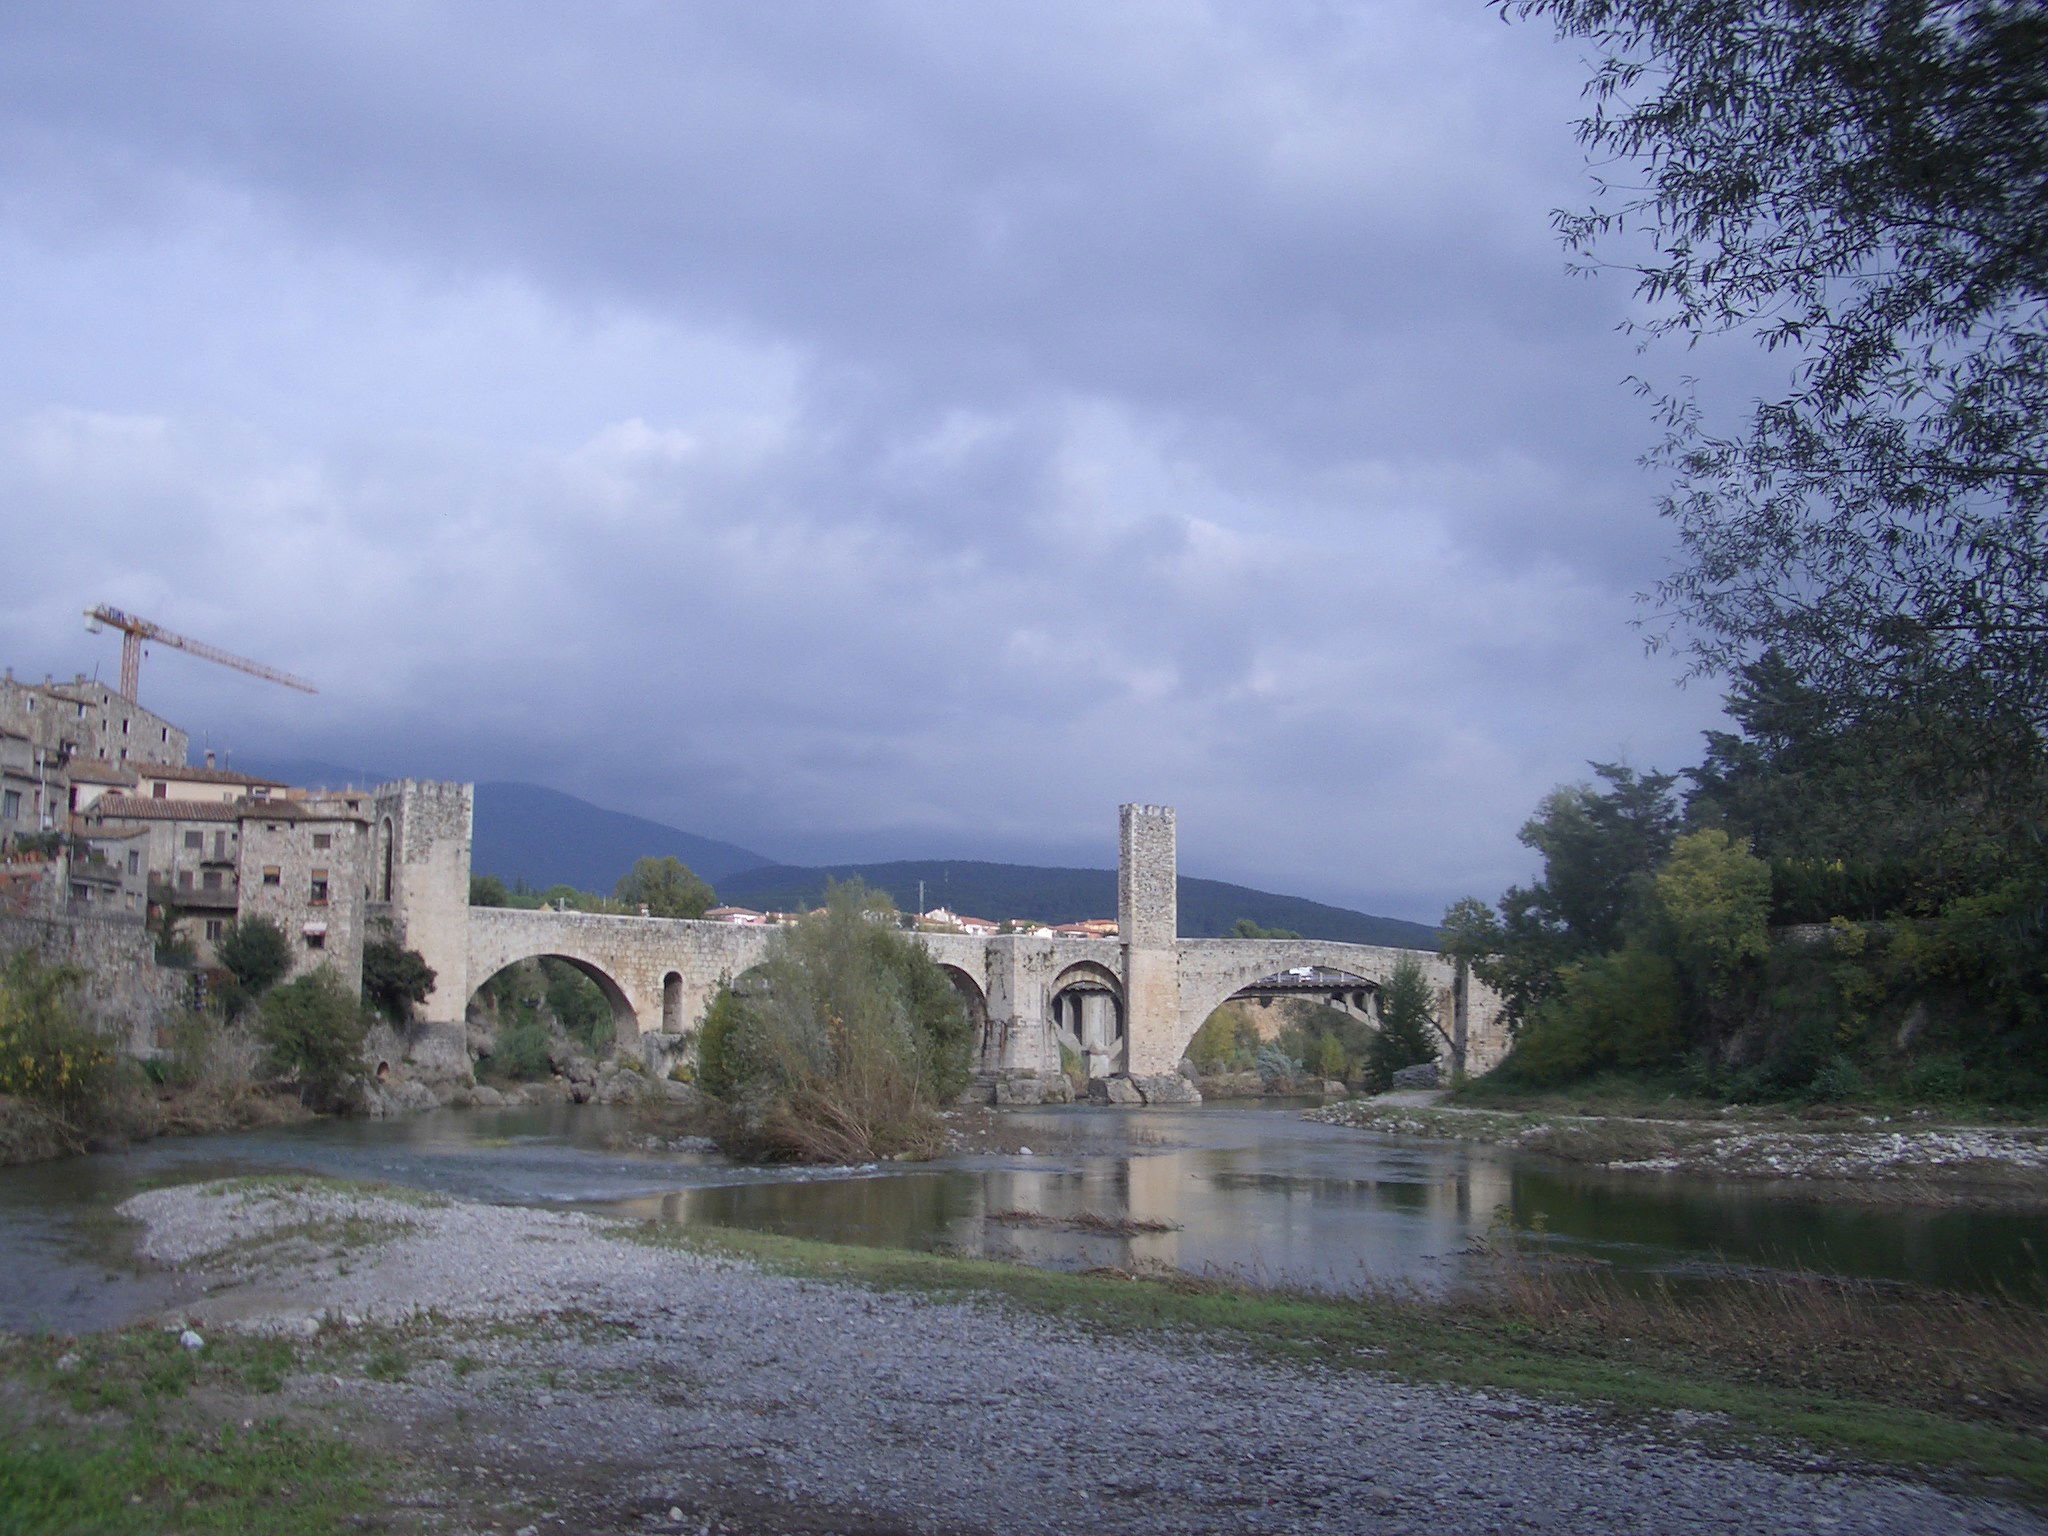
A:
[849,428]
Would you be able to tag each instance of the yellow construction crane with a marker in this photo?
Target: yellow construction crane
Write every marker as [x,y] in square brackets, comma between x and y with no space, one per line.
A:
[134,631]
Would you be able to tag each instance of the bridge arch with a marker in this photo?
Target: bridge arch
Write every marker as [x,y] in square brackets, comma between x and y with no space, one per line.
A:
[624,1022]
[1214,971]
[975,999]
[1085,1007]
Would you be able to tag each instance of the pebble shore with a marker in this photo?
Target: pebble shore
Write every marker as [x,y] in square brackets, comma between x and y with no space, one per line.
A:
[705,1395]
[1870,1153]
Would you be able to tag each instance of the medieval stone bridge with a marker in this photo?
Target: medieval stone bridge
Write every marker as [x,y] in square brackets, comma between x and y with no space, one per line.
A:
[1127,1006]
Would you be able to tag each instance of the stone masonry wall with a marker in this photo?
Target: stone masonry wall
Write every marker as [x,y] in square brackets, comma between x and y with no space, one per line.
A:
[125,990]
[290,845]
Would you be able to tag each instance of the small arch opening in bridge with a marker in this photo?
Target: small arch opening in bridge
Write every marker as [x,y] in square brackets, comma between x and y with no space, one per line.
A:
[672,1021]
[1086,1002]
[1316,1017]
[522,999]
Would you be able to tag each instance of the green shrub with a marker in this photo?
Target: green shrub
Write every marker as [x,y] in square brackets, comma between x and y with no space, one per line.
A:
[521,1052]
[395,978]
[48,1053]
[1274,1065]
[1839,1080]
[1406,1036]
[1616,1010]
[578,1005]
[839,1046]
[256,953]
[313,1029]
[1228,1041]
[1936,1077]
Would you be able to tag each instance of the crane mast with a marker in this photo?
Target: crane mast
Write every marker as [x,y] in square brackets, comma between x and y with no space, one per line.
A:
[136,630]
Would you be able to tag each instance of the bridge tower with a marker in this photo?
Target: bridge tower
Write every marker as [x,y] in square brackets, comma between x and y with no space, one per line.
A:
[420,845]
[1148,924]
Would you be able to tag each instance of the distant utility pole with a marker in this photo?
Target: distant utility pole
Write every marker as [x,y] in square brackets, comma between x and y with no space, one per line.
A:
[920,898]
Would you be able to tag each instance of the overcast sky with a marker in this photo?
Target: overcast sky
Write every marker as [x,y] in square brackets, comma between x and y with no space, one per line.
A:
[850,429]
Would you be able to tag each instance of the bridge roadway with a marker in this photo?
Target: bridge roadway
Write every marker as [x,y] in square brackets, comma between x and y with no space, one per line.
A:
[659,974]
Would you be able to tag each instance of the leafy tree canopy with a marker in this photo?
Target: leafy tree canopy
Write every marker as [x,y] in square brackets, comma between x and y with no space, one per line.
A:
[1245,928]
[1407,1035]
[314,1031]
[1859,185]
[256,953]
[666,887]
[395,978]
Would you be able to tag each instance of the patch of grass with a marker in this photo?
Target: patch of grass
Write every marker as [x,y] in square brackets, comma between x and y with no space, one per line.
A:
[1883,1382]
[335,1236]
[387,1364]
[277,1186]
[140,1479]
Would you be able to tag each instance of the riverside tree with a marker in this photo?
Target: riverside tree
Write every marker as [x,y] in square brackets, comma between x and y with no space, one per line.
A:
[313,1029]
[840,1046]
[1858,185]
[666,887]
[1407,1035]
[256,954]
[1600,847]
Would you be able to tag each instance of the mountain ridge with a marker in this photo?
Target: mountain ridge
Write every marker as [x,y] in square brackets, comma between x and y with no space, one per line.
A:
[1054,894]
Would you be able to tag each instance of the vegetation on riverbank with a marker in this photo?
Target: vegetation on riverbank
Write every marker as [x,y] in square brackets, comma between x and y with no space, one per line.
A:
[1824,918]
[1832,1364]
[840,1046]
[66,1088]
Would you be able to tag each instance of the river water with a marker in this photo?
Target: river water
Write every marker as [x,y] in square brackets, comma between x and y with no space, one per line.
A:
[1251,1191]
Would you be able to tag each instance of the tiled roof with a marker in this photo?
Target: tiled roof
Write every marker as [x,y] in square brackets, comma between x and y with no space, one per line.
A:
[185,773]
[142,808]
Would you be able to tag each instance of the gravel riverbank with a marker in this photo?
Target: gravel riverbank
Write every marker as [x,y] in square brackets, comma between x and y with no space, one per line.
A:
[1869,1158]
[639,1388]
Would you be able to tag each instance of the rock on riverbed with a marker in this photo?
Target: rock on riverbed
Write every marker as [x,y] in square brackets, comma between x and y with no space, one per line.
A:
[708,1382]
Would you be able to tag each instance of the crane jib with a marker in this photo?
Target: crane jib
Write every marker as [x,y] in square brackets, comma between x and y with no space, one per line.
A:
[136,630]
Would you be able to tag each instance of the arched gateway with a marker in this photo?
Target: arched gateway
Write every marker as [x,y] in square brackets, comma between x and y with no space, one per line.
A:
[1130,1004]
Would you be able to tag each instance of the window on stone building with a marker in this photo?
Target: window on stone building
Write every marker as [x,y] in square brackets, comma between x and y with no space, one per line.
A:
[319,887]
[215,927]
[159,790]
[220,845]
[323,840]
[184,879]
[195,840]
[210,881]
[316,941]
[10,804]
[134,861]
[272,875]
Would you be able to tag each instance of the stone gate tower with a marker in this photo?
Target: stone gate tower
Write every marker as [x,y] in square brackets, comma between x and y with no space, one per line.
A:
[1148,922]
